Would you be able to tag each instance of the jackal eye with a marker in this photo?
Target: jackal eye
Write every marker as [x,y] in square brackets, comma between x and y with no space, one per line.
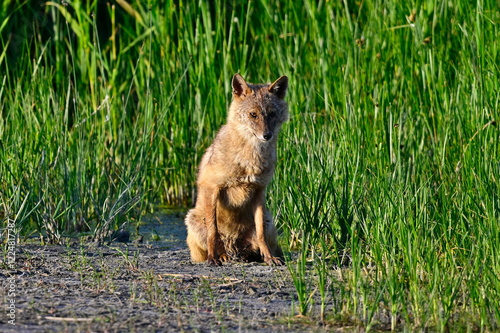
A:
[272,115]
[253,115]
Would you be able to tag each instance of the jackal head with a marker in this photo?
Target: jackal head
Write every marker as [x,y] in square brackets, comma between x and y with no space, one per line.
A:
[258,110]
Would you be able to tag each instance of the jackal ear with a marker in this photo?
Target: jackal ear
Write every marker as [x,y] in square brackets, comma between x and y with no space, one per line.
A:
[279,87]
[240,87]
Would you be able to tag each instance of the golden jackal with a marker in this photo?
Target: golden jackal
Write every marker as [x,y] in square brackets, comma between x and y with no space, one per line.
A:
[230,219]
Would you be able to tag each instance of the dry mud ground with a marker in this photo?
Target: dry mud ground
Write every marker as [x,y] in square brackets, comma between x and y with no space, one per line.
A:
[145,288]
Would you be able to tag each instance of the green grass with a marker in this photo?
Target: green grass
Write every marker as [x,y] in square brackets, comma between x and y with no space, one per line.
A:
[388,169]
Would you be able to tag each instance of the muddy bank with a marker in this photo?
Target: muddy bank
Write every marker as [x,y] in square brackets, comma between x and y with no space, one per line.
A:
[146,287]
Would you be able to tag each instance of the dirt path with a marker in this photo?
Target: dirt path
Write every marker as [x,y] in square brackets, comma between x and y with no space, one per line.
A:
[128,288]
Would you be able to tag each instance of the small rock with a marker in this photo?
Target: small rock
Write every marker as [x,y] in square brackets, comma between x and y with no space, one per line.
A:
[122,236]
[251,290]
[138,240]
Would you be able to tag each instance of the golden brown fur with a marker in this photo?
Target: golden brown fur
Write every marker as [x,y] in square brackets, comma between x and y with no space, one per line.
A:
[230,219]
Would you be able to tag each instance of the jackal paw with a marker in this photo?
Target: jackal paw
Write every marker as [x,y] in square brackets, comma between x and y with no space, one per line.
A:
[213,262]
[224,257]
[274,261]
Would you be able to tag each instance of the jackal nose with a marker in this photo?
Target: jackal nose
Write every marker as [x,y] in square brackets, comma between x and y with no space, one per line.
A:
[268,136]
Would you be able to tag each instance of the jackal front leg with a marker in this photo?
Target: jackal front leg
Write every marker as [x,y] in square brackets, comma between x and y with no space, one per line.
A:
[258,211]
[210,203]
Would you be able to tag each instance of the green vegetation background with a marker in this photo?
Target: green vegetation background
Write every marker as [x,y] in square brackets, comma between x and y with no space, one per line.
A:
[389,168]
